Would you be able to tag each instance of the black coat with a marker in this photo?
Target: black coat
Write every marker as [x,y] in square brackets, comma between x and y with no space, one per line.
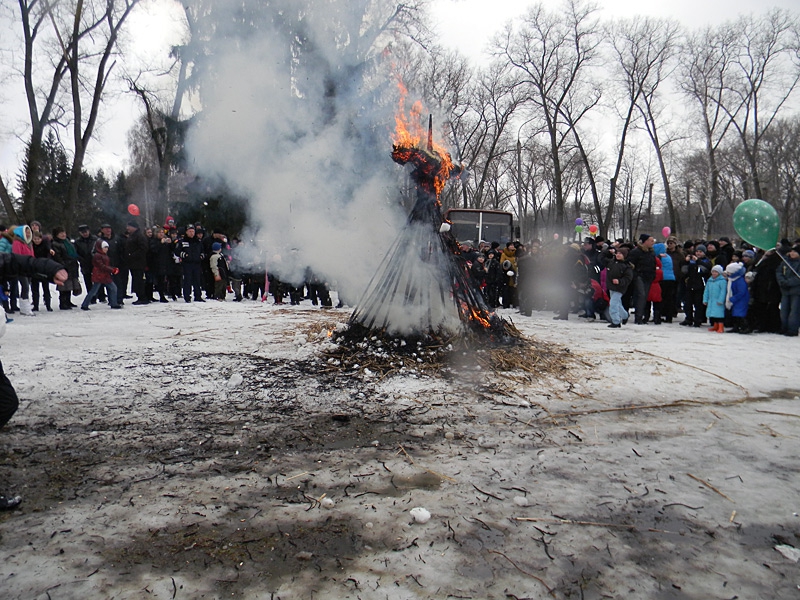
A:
[136,250]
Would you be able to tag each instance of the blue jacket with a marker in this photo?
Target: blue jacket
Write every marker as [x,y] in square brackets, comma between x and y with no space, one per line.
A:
[666,261]
[739,296]
[714,296]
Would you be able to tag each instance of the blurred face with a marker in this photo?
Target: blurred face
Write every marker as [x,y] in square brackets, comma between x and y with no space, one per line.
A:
[84,233]
[648,243]
[148,232]
[794,254]
[699,254]
[62,235]
[190,233]
[106,231]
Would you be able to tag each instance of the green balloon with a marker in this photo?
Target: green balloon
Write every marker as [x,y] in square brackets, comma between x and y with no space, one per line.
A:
[757,223]
[578,228]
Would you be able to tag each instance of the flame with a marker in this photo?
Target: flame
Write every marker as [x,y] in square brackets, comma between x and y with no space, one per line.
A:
[411,145]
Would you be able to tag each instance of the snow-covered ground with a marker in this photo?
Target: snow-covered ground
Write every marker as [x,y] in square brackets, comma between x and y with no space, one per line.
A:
[213,450]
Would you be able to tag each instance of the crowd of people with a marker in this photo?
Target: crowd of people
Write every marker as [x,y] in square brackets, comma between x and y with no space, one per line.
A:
[711,282]
[154,264]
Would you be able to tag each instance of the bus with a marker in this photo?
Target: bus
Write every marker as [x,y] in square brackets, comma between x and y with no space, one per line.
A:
[474,224]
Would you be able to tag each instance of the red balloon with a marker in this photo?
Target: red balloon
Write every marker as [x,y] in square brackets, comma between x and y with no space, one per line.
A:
[133,209]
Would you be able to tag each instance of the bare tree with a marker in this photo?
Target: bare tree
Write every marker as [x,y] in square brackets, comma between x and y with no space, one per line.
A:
[640,49]
[42,79]
[553,51]
[705,69]
[765,75]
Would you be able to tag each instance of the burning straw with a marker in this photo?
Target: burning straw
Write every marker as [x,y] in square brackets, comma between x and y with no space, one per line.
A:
[422,290]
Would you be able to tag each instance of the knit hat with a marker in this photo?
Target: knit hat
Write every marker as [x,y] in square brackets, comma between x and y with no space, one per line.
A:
[749,254]
[189,226]
[623,251]
[718,269]
[700,248]
[644,237]
[133,224]
[733,269]
[104,244]
[216,247]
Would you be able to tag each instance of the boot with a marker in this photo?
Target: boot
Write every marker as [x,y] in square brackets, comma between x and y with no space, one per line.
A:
[720,327]
[713,327]
[26,307]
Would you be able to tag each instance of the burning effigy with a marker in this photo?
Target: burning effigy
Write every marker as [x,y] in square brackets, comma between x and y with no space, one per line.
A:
[423,290]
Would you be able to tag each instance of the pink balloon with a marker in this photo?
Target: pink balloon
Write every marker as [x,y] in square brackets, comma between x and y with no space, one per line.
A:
[666,231]
[133,209]
[555,236]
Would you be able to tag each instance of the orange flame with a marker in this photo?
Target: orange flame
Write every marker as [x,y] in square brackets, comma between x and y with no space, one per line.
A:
[412,144]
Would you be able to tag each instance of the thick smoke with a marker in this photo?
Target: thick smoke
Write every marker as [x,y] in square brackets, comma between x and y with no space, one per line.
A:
[295,129]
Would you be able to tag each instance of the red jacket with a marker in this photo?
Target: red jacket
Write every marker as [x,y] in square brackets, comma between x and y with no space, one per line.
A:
[101,265]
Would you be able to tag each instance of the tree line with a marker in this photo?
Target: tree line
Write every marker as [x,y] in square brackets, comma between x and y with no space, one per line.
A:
[629,123]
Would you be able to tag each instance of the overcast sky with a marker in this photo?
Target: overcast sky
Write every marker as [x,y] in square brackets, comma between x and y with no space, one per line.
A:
[467,25]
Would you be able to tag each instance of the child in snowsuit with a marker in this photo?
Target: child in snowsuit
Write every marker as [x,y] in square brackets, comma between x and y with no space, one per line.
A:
[738,296]
[102,276]
[714,299]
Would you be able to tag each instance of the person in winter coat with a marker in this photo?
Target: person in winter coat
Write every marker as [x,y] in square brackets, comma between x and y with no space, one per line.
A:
[136,248]
[102,276]
[12,265]
[765,312]
[619,275]
[23,236]
[668,283]
[190,251]
[643,260]
[788,275]
[10,285]
[494,279]
[219,270]
[40,288]
[64,253]
[84,244]
[714,295]
[572,276]
[118,254]
[508,263]
[696,270]
[737,299]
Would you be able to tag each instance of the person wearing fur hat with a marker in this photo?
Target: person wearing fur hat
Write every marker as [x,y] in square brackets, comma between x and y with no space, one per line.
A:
[714,299]
[737,299]
[12,265]
[788,275]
